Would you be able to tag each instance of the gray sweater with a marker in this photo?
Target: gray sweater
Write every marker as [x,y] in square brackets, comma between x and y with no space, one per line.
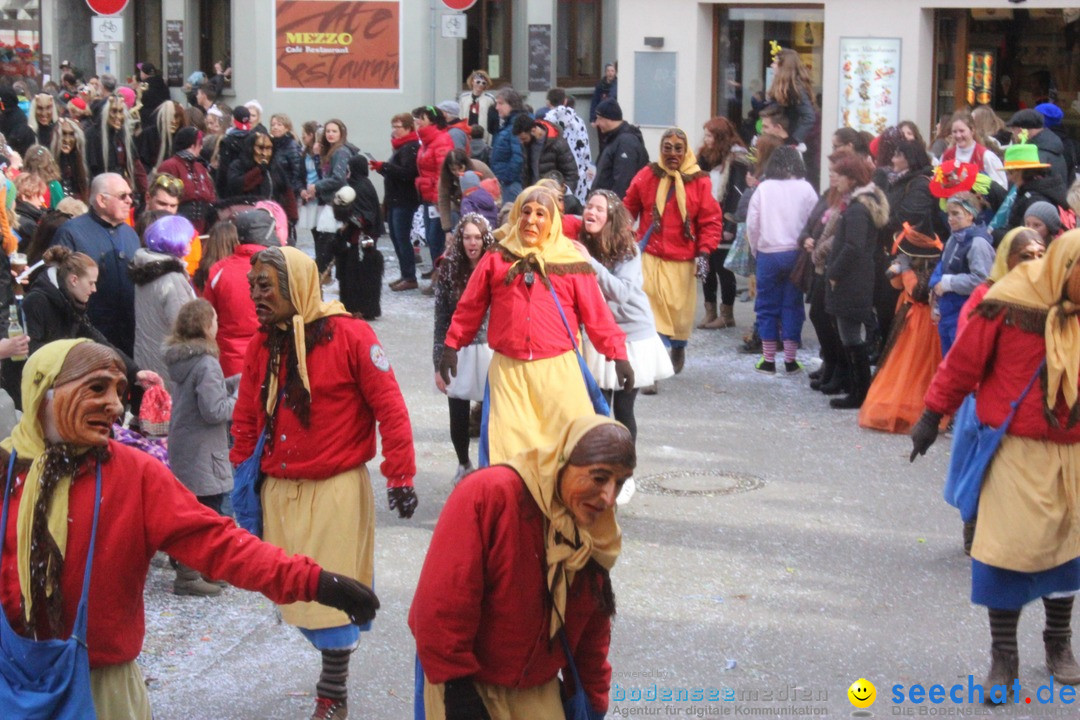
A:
[625,297]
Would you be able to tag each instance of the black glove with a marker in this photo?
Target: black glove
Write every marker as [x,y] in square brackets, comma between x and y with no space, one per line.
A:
[701,269]
[924,433]
[624,375]
[352,597]
[448,364]
[404,500]
[463,702]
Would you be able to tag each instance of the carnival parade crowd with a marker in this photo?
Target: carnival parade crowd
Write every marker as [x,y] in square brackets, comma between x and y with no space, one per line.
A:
[171,358]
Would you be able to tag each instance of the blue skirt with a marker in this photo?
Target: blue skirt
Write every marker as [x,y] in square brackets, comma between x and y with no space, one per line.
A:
[1002,589]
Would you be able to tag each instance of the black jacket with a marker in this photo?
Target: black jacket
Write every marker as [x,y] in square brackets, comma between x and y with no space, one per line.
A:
[29,217]
[910,202]
[623,155]
[156,93]
[1048,188]
[288,158]
[550,153]
[1052,150]
[399,176]
[13,122]
[851,262]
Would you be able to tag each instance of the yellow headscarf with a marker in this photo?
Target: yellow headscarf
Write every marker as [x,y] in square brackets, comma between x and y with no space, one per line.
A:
[1001,258]
[1040,285]
[539,468]
[689,166]
[305,291]
[556,248]
[28,442]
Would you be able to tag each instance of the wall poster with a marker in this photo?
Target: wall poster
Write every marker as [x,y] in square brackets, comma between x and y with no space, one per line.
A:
[869,83]
[337,45]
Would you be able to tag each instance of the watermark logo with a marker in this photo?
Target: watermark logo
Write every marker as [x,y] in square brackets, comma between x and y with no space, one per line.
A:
[862,693]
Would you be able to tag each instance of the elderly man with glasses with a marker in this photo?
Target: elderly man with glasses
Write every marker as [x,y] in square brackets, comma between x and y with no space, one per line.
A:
[104,235]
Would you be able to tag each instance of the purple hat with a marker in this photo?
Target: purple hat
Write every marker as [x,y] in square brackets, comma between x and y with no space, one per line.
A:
[170,235]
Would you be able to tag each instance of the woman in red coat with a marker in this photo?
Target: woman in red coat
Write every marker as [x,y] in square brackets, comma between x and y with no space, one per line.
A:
[435,143]
[487,612]
[680,222]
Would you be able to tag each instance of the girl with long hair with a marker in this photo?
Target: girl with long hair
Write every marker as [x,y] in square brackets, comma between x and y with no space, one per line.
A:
[219,244]
[471,239]
[968,147]
[69,150]
[722,155]
[333,171]
[792,89]
[40,161]
[435,145]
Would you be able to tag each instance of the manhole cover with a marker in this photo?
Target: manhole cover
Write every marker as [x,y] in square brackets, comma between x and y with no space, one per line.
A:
[694,483]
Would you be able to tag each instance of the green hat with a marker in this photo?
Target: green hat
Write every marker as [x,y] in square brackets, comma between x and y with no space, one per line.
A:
[1023,156]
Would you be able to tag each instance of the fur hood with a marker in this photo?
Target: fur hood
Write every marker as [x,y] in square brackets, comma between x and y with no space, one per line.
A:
[873,199]
[149,266]
[182,358]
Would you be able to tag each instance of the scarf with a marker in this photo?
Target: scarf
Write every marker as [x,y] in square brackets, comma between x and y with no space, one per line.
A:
[28,441]
[1040,285]
[306,294]
[689,167]
[411,136]
[555,249]
[568,548]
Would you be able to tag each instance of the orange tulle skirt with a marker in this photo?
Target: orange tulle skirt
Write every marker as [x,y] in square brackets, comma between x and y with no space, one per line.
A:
[895,399]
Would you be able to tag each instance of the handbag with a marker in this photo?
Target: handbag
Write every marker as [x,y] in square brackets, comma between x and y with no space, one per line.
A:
[48,679]
[802,275]
[247,482]
[575,707]
[739,260]
[973,447]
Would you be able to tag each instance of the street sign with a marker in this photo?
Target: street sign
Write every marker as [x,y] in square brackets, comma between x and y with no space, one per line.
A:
[107,7]
[106,29]
[453,26]
[459,4]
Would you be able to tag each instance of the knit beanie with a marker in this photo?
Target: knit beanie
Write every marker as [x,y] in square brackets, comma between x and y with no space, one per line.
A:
[469,181]
[1052,114]
[185,137]
[1047,213]
[609,109]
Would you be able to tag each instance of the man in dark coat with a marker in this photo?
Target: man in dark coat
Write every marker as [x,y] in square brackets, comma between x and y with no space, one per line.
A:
[545,150]
[13,123]
[624,150]
[1050,147]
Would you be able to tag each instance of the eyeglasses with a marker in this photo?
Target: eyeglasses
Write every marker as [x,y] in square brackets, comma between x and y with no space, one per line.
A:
[480,80]
[669,148]
[122,197]
[171,185]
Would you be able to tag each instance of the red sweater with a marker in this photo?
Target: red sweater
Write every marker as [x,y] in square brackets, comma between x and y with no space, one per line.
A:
[481,607]
[227,290]
[145,509]
[669,242]
[525,322]
[352,388]
[999,359]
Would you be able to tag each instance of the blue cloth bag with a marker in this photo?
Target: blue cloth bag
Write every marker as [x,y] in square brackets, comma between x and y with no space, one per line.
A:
[47,679]
[247,483]
[973,447]
[576,707]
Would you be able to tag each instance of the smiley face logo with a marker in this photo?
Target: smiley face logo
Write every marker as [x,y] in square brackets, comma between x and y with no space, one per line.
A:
[862,693]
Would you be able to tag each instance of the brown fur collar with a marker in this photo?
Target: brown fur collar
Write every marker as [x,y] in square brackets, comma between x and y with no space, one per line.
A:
[520,265]
[873,199]
[661,173]
[1025,318]
[148,272]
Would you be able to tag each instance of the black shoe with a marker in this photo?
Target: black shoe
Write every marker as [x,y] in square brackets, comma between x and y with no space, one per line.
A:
[678,358]
[859,362]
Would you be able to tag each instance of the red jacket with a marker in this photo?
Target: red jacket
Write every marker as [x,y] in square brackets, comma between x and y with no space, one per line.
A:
[481,606]
[434,146]
[999,359]
[145,509]
[227,290]
[669,242]
[525,322]
[352,388]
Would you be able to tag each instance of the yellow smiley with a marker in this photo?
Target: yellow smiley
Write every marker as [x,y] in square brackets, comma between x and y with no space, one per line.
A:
[862,693]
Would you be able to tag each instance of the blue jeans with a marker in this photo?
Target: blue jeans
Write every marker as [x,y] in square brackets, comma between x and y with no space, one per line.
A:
[433,232]
[399,222]
[777,297]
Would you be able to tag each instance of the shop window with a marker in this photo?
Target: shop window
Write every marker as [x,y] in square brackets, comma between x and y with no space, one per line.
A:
[742,55]
[215,36]
[577,43]
[487,45]
[20,40]
[148,26]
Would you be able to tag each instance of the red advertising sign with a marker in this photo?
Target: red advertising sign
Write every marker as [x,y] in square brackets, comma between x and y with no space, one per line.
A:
[107,7]
[337,45]
[459,4]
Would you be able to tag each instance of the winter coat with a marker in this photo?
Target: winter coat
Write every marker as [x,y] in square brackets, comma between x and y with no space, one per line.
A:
[227,290]
[450,195]
[486,117]
[851,262]
[399,173]
[156,93]
[624,154]
[1052,150]
[13,123]
[29,217]
[479,201]
[1047,188]
[230,146]
[112,308]
[507,158]
[801,117]
[482,606]
[601,92]
[288,159]
[910,202]
[1071,152]
[435,144]
[777,213]
[669,240]
[202,405]
[199,192]
[550,153]
[364,215]
[161,289]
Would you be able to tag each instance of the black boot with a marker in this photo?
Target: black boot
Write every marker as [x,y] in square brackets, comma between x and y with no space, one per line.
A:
[859,362]
[840,382]
[823,375]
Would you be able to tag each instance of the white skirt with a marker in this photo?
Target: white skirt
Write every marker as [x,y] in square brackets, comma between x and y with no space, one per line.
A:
[325,221]
[472,372]
[308,216]
[648,357]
